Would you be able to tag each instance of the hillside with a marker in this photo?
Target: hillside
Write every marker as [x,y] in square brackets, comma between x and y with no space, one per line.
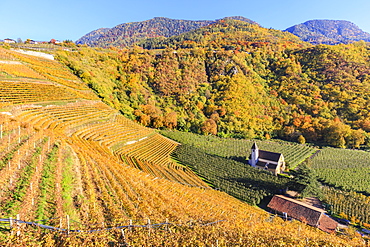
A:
[222,162]
[127,34]
[226,33]
[329,32]
[70,154]
[236,79]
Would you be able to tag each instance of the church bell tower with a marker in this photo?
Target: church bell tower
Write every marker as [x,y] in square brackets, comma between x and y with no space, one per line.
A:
[254,155]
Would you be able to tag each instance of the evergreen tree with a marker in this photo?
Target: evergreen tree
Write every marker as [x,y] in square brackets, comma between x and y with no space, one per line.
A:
[305,182]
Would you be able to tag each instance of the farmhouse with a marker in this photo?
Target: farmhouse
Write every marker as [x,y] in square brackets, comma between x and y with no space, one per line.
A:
[9,41]
[304,212]
[33,42]
[273,162]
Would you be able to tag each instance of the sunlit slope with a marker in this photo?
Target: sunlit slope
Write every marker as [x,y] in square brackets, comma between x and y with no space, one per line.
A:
[44,176]
[28,79]
[76,156]
[63,104]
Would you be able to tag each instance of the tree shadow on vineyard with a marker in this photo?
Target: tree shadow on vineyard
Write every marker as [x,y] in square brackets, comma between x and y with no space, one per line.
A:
[241,159]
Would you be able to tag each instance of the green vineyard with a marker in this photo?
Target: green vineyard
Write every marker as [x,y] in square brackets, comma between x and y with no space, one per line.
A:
[233,148]
[344,169]
[66,155]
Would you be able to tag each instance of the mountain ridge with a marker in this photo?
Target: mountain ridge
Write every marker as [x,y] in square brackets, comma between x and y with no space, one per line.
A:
[328,32]
[127,34]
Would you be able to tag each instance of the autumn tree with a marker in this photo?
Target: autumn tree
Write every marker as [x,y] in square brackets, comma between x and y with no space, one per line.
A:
[209,127]
[337,133]
[170,120]
[356,138]
[301,139]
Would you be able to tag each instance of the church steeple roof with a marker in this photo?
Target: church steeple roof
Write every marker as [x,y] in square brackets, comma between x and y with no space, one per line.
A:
[254,146]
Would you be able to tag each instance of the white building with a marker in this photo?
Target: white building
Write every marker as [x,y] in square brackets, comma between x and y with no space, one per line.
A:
[273,162]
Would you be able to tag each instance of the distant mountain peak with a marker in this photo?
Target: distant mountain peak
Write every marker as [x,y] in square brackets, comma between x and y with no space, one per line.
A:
[240,18]
[127,34]
[329,32]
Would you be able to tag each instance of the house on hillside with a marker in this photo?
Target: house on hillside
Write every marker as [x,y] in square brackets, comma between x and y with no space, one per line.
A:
[9,41]
[32,42]
[273,162]
[304,212]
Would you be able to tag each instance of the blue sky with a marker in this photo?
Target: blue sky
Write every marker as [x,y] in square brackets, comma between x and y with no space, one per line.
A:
[67,19]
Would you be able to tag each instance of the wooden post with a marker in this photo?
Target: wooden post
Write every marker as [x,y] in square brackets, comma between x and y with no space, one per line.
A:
[149,226]
[11,225]
[18,228]
[285,216]
[60,223]
[68,224]
[123,236]
[130,223]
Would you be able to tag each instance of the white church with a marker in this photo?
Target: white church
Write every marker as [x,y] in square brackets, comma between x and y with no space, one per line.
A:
[273,162]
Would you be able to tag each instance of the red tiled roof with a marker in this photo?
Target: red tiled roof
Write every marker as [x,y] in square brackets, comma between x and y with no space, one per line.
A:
[327,224]
[302,211]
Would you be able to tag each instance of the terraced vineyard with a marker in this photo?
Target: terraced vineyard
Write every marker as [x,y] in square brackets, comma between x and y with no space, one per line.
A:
[50,177]
[76,156]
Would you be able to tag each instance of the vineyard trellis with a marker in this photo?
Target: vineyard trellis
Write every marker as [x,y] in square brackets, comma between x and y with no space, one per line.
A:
[14,223]
[344,169]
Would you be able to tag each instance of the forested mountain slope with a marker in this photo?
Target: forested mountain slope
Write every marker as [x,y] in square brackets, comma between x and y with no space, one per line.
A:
[63,152]
[329,32]
[127,34]
[236,79]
